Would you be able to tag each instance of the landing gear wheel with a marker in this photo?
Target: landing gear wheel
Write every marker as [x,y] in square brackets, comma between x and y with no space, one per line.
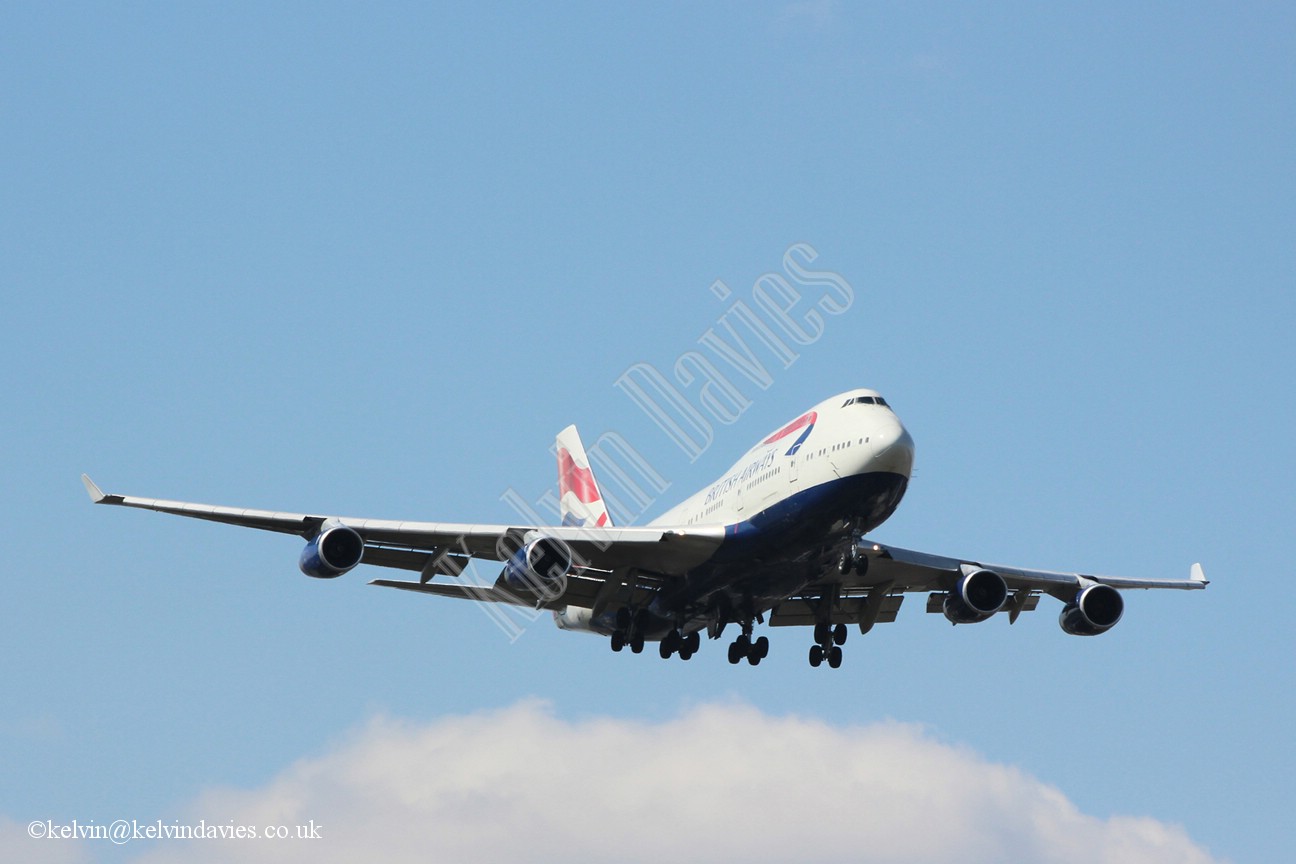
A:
[754,658]
[844,563]
[735,653]
[822,633]
[637,643]
[839,634]
[834,657]
[664,649]
[618,640]
[816,655]
[693,642]
[761,647]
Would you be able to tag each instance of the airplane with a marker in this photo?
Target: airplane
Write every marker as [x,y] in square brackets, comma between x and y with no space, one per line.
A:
[781,537]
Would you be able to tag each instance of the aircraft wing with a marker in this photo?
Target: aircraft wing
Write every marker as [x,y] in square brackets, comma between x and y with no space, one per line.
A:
[444,547]
[924,571]
[874,596]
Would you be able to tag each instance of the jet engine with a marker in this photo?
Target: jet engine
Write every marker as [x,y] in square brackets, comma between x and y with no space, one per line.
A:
[333,552]
[538,566]
[1096,609]
[579,618]
[979,594]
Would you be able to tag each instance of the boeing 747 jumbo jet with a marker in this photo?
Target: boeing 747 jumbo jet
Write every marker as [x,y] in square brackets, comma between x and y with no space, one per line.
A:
[779,538]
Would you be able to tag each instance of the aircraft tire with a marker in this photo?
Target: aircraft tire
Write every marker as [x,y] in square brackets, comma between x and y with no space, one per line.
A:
[835,657]
[816,655]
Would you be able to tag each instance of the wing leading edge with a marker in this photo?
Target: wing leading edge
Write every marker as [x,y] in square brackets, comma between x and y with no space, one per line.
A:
[411,545]
[922,567]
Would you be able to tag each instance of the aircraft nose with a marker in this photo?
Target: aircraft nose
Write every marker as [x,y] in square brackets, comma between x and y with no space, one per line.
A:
[894,451]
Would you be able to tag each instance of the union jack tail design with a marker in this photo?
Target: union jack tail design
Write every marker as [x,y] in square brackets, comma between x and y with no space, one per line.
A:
[579,500]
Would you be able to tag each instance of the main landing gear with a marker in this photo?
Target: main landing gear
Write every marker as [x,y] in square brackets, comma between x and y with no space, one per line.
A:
[828,642]
[627,632]
[630,628]
[753,650]
[677,643]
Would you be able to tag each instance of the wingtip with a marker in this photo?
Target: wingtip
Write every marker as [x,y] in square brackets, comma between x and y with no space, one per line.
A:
[96,494]
[1198,575]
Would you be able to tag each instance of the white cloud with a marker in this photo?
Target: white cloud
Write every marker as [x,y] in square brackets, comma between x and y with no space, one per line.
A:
[721,782]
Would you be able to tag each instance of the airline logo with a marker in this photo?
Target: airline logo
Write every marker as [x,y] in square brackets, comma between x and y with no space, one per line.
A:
[805,423]
[578,482]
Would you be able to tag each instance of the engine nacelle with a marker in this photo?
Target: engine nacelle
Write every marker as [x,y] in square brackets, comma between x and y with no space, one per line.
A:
[541,567]
[1096,609]
[578,618]
[979,594]
[334,551]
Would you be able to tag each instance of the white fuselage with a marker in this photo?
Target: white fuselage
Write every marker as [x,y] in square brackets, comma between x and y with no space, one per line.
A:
[847,435]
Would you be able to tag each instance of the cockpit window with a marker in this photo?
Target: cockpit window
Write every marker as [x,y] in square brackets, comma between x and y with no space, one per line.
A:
[866,400]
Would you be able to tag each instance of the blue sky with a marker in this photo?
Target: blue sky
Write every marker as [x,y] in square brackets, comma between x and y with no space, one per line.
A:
[369,260]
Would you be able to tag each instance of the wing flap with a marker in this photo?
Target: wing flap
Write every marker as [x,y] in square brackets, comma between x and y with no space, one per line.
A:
[1028,602]
[803,612]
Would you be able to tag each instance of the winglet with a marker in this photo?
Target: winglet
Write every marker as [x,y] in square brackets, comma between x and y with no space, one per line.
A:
[1198,575]
[96,494]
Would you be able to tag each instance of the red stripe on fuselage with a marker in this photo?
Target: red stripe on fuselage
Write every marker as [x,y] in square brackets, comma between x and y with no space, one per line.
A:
[799,423]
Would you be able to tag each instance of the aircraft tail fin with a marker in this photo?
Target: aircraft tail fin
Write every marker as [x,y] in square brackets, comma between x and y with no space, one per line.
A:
[579,500]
